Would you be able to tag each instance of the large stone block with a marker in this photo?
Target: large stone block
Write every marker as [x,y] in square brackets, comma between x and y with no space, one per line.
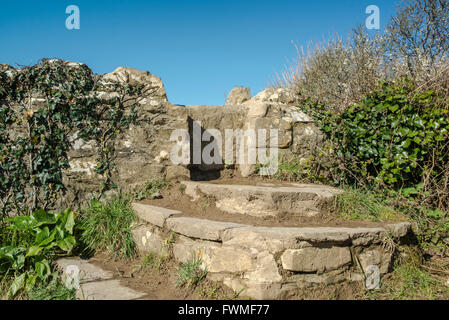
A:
[152,214]
[185,249]
[314,259]
[85,271]
[238,95]
[199,228]
[377,257]
[307,280]
[107,290]
[230,259]
[266,269]
[148,239]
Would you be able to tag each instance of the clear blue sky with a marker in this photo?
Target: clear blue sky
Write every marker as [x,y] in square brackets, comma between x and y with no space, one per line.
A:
[200,49]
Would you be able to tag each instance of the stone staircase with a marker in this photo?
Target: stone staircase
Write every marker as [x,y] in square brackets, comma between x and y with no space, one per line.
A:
[265,199]
[94,283]
[268,262]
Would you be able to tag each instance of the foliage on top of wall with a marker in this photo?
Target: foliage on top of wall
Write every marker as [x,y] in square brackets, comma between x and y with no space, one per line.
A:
[41,108]
[396,137]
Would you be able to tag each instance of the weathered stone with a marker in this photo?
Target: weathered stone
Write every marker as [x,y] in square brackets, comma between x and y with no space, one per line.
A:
[266,270]
[185,249]
[273,242]
[313,259]
[85,271]
[253,290]
[148,239]
[152,214]
[307,280]
[275,95]
[259,201]
[107,290]
[377,257]
[199,228]
[135,170]
[176,172]
[238,95]
[230,259]
[121,74]
[400,229]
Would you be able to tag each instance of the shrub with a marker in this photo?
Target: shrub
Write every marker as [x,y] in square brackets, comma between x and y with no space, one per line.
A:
[41,108]
[339,73]
[419,35]
[107,227]
[30,243]
[394,138]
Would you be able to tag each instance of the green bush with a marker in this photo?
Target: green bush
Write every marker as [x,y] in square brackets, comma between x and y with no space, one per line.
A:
[396,137]
[30,243]
[41,108]
[107,227]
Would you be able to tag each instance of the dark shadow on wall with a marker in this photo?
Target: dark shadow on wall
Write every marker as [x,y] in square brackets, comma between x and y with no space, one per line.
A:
[202,171]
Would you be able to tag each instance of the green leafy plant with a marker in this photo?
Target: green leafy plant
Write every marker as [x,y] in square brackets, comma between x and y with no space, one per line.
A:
[151,189]
[395,138]
[53,290]
[42,109]
[191,273]
[106,226]
[30,243]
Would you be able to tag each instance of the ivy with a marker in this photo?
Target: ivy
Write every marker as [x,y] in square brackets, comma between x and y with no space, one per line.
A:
[396,137]
[41,107]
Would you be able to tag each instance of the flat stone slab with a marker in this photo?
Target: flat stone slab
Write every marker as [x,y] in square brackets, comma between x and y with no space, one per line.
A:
[83,269]
[314,259]
[200,228]
[307,191]
[92,282]
[107,290]
[265,200]
[314,234]
[152,214]
[278,238]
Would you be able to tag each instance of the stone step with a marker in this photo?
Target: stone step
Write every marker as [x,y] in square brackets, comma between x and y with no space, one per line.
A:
[92,282]
[267,262]
[265,199]
[152,214]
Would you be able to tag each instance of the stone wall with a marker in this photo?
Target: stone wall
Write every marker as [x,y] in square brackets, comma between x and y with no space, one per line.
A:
[143,152]
[268,262]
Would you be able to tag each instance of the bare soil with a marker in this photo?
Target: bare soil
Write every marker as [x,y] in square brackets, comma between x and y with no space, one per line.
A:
[204,208]
[159,284]
[162,284]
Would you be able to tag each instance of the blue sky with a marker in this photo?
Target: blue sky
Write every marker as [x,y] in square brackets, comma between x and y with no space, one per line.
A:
[200,49]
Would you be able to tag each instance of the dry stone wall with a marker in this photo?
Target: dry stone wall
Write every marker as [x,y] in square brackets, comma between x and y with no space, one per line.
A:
[143,151]
[268,262]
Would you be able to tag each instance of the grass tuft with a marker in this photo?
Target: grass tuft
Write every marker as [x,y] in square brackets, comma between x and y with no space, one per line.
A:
[363,205]
[107,227]
[190,274]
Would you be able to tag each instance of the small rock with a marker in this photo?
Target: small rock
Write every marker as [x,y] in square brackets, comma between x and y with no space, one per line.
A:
[238,95]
